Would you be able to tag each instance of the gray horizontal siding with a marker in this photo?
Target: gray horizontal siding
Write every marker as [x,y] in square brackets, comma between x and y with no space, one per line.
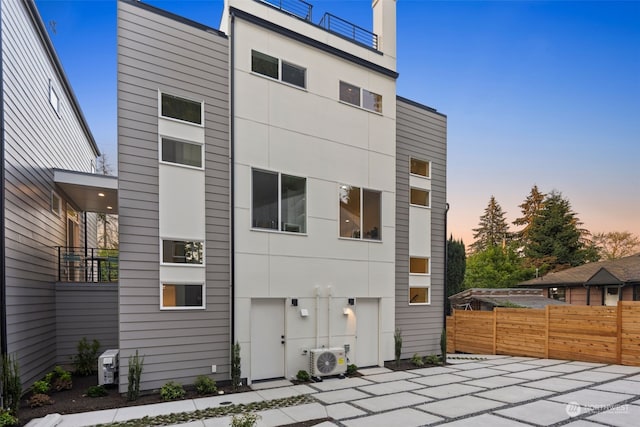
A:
[156,52]
[420,133]
[36,140]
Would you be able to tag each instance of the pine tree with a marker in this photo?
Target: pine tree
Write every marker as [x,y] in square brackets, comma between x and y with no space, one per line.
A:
[529,208]
[493,229]
[556,240]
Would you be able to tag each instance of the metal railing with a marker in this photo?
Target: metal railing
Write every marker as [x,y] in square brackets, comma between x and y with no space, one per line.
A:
[90,265]
[298,8]
[349,30]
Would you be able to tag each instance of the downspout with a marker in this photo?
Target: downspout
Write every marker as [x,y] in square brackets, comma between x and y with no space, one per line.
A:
[588,294]
[3,271]
[232,180]
[446,268]
[86,271]
[330,292]
[317,289]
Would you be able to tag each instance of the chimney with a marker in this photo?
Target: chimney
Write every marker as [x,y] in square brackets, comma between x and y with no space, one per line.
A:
[384,25]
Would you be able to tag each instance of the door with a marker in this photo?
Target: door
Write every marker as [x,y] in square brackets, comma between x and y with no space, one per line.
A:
[611,295]
[367,332]
[267,338]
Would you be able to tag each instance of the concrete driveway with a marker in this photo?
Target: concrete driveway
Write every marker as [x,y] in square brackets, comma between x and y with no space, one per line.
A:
[476,391]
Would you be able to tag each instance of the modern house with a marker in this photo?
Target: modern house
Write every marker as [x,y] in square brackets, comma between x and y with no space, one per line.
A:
[274,191]
[48,196]
[595,283]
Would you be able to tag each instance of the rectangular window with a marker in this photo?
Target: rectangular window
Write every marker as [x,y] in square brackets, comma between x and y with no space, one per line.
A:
[182,296]
[420,295]
[371,101]
[181,152]
[360,213]
[349,94]
[182,252]
[54,100]
[279,202]
[56,203]
[418,265]
[182,109]
[419,197]
[278,69]
[360,97]
[420,167]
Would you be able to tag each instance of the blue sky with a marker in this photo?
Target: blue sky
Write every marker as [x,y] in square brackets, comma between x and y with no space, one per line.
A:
[536,92]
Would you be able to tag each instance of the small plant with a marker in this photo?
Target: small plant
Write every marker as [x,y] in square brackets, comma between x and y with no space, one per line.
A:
[397,338]
[205,385]
[236,373]
[172,391]
[351,369]
[11,384]
[37,400]
[97,391]
[86,361]
[303,376]
[432,359]
[245,420]
[61,379]
[6,419]
[135,373]
[417,360]
[443,345]
[41,387]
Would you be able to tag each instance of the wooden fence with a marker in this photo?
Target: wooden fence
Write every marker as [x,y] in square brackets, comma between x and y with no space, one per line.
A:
[585,333]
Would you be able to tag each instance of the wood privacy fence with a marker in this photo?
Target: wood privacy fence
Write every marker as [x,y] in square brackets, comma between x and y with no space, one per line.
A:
[569,332]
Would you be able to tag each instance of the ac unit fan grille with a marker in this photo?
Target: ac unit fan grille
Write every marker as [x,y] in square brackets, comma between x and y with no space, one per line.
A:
[326,362]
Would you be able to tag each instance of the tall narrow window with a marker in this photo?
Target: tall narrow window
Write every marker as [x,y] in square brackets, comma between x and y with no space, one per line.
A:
[182,109]
[420,167]
[360,213]
[56,203]
[182,252]
[279,202]
[419,197]
[181,152]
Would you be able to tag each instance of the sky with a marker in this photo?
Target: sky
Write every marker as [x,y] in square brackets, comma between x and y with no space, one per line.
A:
[535,92]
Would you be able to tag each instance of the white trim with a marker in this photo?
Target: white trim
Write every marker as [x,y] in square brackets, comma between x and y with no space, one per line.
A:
[58,211]
[428,265]
[428,205]
[185,264]
[173,119]
[428,287]
[428,162]
[204,294]
[184,141]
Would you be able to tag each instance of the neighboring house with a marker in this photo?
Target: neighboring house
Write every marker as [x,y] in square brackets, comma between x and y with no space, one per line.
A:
[486,299]
[596,283]
[273,191]
[48,156]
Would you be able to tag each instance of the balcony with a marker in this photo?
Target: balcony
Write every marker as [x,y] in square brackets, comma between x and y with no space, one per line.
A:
[90,265]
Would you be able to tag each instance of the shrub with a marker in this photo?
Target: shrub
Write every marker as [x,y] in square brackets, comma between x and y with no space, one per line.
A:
[351,369]
[135,373]
[245,420]
[6,419]
[417,360]
[397,338]
[172,391]
[62,379]
[39,399]
[11,384]
[432,359]
[97,391]
[236,373]
[205,385]
[86,361]
[41,387]
[303,376]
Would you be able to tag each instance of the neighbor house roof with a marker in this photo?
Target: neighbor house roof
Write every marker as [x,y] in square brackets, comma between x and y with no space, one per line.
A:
[505,297]
[625,270]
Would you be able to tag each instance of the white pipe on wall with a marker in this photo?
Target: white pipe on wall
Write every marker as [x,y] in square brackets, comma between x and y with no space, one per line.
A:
[317,314]
[330,292]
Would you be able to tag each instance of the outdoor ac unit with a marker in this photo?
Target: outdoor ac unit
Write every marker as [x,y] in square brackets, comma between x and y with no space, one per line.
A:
[108,367]
[328,361]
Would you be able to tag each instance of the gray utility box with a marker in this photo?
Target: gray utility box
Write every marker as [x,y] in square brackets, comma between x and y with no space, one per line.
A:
[108,367]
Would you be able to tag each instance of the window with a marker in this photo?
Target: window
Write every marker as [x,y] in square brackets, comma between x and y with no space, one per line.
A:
[182,296]
[353,95]
[278,69]
[558,293]
[56,203]
[54,100]
[181,152]
[182,109]
[418,265]
[278,202]
[420,167]
[182,252]
[419,197]
[420,295]
[360,213]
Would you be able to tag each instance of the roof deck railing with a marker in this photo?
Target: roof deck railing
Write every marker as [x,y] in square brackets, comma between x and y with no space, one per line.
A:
[298,8]
[87,265]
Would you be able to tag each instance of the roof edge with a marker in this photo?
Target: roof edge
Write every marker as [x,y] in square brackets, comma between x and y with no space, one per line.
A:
[419,105]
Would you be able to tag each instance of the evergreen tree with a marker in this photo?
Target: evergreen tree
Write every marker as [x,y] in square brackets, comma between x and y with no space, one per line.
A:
[456,265]
[556,240]
[496,267]
[493,229]
[529,208]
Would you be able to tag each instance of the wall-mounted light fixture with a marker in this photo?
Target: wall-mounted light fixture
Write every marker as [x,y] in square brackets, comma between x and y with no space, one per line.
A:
[294,302]
[351,301]
[345,311]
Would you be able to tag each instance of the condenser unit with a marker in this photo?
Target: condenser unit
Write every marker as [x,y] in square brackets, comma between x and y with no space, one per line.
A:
[327,361]
[108,367]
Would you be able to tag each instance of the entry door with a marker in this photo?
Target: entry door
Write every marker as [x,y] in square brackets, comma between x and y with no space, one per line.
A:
[611,295]
[267,338]
[367,332]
